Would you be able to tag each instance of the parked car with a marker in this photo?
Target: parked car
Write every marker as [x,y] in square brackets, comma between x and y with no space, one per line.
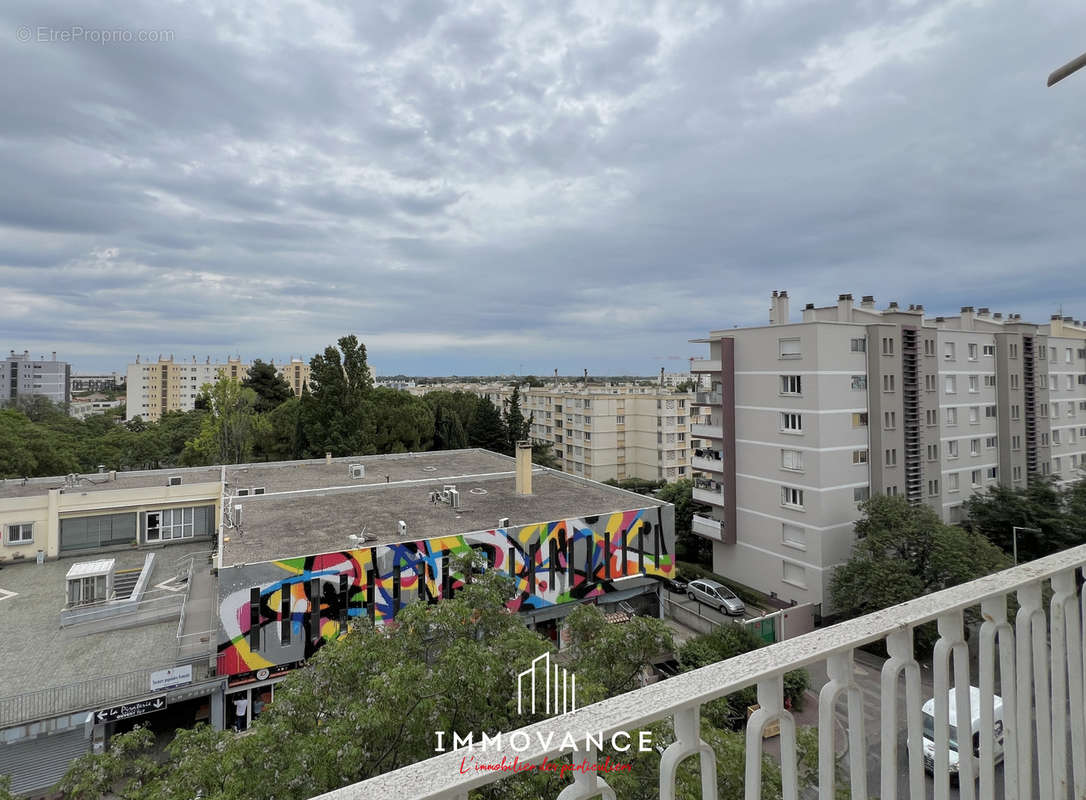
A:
[676,585]
[716,594]
[957,740]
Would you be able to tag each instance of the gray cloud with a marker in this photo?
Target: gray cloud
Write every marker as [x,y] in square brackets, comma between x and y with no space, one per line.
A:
[564,185]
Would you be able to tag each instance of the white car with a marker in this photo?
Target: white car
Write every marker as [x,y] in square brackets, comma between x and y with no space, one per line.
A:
[972,744]
[716,595]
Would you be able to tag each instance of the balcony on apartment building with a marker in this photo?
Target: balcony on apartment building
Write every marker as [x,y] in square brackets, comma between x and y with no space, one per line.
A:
[707,459]
[1036,652]
[705,365]
[708,491]
[708,527]
[706,426]
[708,398]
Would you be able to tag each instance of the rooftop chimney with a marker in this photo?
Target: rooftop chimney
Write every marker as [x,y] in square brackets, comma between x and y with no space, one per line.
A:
[524,467]
[328,458]
[782,307]
[967,318]
[844,308]
[773,311]
[997,315]
[809,312]
[1067,319]
[892,306]
[868,301]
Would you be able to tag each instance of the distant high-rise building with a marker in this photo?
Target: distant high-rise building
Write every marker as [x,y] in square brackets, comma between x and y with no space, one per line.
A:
[609,432]
[806,419]
[22,376]
[166,385]
[97,383]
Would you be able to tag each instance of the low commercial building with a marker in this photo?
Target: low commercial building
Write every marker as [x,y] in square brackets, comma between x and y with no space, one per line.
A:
[97,383]
[92,404]
[23,376]
[165,596]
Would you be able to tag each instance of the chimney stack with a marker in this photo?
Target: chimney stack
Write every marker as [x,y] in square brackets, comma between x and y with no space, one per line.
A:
[782,308]
[328,459]
[967,318]
[524,467]
[773,309]
[868,301]
[844,308]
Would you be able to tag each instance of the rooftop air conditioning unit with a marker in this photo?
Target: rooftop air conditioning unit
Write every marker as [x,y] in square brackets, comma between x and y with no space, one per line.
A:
[401,527]
[454,498]
[358,470]
[174,480]
[503,522]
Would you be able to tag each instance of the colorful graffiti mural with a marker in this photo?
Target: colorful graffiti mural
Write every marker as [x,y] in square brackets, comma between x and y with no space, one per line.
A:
[282,611]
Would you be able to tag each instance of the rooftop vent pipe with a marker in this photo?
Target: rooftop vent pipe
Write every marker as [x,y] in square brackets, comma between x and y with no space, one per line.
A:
[524,467]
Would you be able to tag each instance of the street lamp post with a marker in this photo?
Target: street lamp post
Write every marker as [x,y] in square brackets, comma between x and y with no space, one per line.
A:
[1014,534]
[1071,66]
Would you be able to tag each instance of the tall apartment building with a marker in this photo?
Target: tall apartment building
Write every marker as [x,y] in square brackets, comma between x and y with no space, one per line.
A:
[612,432]
[806,419]
[166,385]
[22,376]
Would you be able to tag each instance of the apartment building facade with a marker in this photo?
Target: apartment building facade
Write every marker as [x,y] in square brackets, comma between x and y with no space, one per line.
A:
[154,388]
[806,419]
[23,376]
[609,433]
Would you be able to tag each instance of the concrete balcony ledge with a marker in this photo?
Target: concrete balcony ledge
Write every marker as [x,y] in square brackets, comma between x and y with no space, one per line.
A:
[707,464]
[708,398]
[712,497]
[1030,701]
[710,430]
[707,527]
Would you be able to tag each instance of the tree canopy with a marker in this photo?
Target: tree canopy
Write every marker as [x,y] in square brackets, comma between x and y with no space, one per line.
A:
[271,388]
[1054,514]
[487,429]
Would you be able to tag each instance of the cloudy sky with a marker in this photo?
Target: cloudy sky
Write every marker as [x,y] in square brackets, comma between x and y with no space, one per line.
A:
[499,187]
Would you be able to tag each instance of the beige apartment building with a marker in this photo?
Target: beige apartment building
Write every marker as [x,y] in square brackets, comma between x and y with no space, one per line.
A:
[609,432]
[167,385]
[806,419]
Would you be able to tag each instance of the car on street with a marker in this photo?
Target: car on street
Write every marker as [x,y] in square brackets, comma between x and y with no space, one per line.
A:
[717,595]
[676,585]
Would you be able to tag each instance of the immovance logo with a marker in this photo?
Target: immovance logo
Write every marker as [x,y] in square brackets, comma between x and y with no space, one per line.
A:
[559,688]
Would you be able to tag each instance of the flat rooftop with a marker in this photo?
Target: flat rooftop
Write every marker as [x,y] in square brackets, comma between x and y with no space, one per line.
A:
[39,654]
[287,525]
[106,481]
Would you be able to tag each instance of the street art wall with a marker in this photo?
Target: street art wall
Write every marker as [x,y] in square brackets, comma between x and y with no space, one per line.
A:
[277,613]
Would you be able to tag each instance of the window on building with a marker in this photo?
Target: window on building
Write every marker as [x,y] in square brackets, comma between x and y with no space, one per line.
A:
[952,416]
[888,383]
[791,497]
[1055,436]
[792,459]
[1042,381]
[929,347]
[859,383]
[793,536]
[891,457]
[858,345]
[19,533]
[859,456]
[988,349]
[1067,355]
[992,473]
[990,381]
[952,482]
[990,442]
[974,415]
[891,491]
[929,383]
[972,351]
[1044,440]
[88,590]
[974,383]
[952,448]
[931,417]
[859,419]
[950,384]
[791,384]
[974,447]
[791,422]
[789,348]
[1016,473]
[861,493]
[889,420]
[948,351]
[620,419]
[794,574]
[1014,380]
[933,488]
[887,345]
[933,452]
[974,478]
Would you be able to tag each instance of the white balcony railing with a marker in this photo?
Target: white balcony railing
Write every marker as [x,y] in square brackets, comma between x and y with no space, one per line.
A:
[704,365]
[1038,655]
[708,398]
[709,528]
[706,463]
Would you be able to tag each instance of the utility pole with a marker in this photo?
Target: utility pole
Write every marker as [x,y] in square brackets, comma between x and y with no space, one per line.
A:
[1068,68]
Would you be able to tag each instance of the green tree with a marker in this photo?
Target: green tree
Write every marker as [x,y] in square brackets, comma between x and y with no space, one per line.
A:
[517,428]
[463,404]
[335,412]
[403,423]
[1040,506]
[905,551]
[227,433]
[614,655]
[449,433]
[543,454]
[271,388]
[487,429]
[688,385]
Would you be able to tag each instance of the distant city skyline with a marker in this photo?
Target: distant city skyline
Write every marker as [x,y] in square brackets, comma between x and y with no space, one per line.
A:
[572,186]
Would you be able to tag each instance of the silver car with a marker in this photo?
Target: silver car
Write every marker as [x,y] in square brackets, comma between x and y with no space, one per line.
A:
[716,595]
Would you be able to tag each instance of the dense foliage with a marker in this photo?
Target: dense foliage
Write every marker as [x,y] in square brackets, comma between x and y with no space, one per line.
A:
[373,701]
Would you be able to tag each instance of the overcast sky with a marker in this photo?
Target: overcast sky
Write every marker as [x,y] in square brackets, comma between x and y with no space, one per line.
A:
[517,187]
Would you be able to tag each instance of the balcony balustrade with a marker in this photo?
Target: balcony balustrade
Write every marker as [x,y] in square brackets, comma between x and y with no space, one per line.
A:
[707,427]
[1036,651]
[707,527]
[709,398]
[705,365]
[707,460]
